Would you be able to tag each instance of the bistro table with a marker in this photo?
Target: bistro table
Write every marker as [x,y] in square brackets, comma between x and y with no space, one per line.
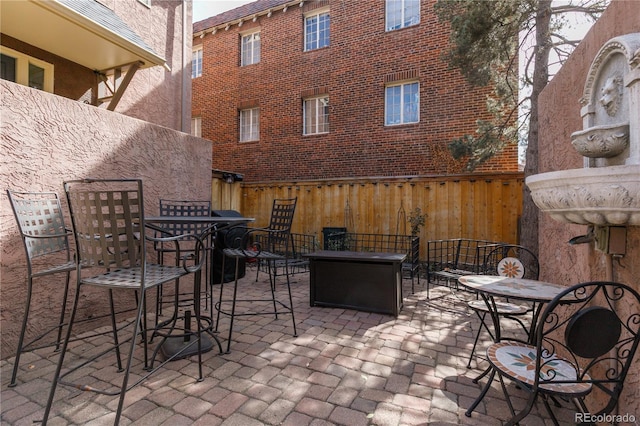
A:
[526,290]
[207,227]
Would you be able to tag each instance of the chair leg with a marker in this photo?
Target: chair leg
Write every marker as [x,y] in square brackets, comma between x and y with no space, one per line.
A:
[63,311]
[132,347]
[233,305]
[527,409]
[545,401]
[482,325]
[25,320]
[482,394]
[159,294]
[293,318]
[272,278]
[114,327]
[196,309]
[63,352]
[219,304]
[272,283]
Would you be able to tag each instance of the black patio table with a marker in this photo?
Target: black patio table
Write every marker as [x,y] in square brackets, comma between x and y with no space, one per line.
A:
[172,344]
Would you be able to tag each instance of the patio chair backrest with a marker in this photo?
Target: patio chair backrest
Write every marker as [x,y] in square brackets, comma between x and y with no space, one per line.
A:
[596,327]
[513,261]
[280,225]
[40,221]
[108,221]
[185,208]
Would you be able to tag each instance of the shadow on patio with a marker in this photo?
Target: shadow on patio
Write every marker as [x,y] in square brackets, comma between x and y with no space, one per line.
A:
[345,367]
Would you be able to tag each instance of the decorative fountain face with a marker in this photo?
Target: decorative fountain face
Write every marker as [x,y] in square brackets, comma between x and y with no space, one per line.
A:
[606,191]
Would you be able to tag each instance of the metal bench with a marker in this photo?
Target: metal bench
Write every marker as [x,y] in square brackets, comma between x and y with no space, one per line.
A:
[449,259]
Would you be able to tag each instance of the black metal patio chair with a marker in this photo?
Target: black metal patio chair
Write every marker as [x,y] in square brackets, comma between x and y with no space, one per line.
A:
[585,343]
[109,231]
[182,208]
[271,245]
[45,238]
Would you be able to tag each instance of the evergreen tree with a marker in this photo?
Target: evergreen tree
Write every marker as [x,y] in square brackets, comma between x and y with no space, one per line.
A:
[487,37]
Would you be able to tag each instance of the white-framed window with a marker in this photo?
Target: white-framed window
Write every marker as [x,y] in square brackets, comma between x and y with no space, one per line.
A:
[249,124]
[196,126]
[250,49]
[316,115]
[146,2]
[401,14]
[196,62]
[402,103]
[316,30]
[26,70]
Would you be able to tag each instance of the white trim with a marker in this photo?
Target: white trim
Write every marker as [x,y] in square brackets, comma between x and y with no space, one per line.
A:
[402,85]
[254,125]
[22,68]
[315,13]
[402,24]
[319,111]
[196,126]
[253,43]
[195,50]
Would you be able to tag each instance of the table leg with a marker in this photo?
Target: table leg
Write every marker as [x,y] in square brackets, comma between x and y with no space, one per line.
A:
[495,318]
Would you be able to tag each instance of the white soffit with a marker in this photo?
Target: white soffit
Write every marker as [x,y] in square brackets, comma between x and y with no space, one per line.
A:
[57,28]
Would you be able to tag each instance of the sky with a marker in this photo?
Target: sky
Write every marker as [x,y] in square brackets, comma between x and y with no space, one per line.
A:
[203,9]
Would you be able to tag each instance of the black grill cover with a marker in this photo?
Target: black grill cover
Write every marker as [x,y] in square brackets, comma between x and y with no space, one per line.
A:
[224,237]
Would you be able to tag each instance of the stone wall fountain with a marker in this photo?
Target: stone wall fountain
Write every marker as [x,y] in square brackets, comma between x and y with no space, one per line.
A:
[606,191]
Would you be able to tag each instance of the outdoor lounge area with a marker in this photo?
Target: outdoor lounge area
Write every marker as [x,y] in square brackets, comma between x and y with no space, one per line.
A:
[345,367]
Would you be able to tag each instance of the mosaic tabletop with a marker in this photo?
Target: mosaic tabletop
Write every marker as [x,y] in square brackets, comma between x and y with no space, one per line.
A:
[516,288]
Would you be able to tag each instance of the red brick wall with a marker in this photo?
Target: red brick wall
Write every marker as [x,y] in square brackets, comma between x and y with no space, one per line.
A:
[353,69]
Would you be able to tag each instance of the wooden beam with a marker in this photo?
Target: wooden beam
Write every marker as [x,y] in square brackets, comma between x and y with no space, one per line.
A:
[123,86]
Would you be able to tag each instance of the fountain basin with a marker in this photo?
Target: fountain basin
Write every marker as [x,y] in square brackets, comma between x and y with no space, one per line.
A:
[589,196]
[601,141]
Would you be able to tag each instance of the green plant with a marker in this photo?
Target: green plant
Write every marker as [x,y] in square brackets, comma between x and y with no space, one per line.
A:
[416,219]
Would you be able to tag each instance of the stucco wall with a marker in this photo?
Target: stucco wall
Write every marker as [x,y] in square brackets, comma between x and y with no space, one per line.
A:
[560,116]
[46,139]
[156,94]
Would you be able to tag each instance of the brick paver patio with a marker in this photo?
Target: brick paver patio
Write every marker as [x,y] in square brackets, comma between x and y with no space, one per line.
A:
[344,368]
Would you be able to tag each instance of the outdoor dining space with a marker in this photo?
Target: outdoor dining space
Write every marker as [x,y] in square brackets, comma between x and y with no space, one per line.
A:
[500,296]
[346,337]
[344,367]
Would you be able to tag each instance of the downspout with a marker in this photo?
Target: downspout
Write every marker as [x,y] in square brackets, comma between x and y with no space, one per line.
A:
[185,122]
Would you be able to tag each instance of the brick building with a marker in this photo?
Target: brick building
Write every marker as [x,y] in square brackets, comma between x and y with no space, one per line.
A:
[290,90]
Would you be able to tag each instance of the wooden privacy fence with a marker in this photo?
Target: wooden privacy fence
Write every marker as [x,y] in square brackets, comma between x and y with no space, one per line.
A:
[478,206]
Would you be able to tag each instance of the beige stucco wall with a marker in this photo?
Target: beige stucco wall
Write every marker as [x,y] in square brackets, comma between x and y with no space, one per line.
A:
[559,117]
[46,139]
[156,94]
